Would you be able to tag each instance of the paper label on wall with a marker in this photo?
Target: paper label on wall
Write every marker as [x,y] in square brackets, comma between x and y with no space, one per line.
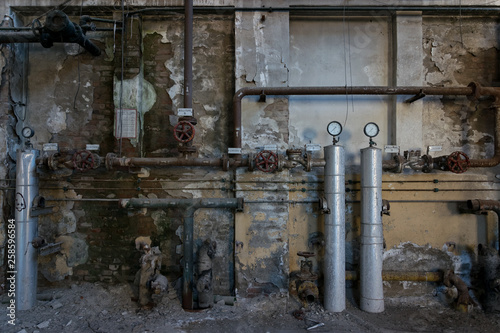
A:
[185,112]
[270,147]
[50,147]
[234,150]
[92,147]
[435,148]
[391,149]
[313,147]
[126,123]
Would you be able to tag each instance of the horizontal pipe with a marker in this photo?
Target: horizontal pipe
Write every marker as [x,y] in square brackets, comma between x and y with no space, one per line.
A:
[225,9]
[361,90]
[181,203]
[416,276]
[174,161]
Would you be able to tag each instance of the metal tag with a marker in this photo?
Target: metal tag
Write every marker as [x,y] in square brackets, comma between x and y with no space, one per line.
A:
[270,147]
[50,147]
[185,112]
[391,149]
[92,147]
[434,148]
[234,150]
[313,147]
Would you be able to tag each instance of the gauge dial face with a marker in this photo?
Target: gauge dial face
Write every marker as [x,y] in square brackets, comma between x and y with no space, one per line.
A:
[27,132]
[371,130]
[334,128]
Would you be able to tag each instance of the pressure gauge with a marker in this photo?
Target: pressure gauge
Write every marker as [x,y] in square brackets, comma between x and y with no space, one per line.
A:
[27,132]
[371,130]
[334,128]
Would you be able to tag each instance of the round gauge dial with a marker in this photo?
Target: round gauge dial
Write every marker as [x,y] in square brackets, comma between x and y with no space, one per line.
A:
[27,132]
[371,130]
[334,128]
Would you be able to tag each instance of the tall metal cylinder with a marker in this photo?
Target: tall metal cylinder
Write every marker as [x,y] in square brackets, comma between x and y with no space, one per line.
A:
[372,238]
[26,229]
[334,269]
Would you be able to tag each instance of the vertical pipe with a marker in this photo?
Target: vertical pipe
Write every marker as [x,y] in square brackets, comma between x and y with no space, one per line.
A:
[372,239]
[187,281]
[26,230]
[335,229]
[188,53]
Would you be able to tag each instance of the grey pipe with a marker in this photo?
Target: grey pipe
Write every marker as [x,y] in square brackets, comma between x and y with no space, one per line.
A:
[26,230]
[189,206]
[334,270]
[372,239]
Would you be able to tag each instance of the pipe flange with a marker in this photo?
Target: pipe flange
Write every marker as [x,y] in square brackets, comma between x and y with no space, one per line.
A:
[251,162]
[282,161]
[476,91]
[294,154]
[109,161]
[428,163]
[225,162]
[97,161]
[308,292]
[308,162]
[53,161]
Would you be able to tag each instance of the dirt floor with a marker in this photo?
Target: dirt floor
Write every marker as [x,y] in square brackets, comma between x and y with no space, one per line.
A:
[96,307]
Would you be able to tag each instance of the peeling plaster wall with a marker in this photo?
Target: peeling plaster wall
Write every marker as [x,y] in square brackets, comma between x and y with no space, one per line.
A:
[455,57]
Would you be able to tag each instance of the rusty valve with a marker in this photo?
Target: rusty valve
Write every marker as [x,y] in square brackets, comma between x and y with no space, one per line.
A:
[266,161]
[184,131]
[458,162]
[83,160]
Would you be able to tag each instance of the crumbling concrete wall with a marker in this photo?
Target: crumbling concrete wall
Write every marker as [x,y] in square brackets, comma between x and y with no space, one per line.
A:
[457,52]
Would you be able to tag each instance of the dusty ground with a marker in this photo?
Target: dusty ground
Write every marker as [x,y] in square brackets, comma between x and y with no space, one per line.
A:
[86,307]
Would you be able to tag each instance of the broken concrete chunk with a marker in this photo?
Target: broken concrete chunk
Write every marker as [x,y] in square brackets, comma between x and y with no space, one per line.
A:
[44,324]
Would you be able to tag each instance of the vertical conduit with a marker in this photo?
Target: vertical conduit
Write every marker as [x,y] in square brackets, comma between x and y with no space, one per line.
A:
[335,229]
[372,239]
[188,53]
[26,230]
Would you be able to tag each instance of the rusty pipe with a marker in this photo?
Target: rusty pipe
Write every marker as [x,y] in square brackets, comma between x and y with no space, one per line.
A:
[482,206]
[224,162]
[417,276]
[364,90]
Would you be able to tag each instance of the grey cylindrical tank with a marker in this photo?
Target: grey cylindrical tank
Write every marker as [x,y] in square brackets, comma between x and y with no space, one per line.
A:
[372,239]
[334,269]
[26,229]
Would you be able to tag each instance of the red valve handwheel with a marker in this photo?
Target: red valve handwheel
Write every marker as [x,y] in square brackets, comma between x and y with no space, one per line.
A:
[266,161]
[458,162]
[184,131]
[83,160]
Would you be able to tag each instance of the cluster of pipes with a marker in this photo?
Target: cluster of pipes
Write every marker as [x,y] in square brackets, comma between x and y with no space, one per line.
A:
[333,163]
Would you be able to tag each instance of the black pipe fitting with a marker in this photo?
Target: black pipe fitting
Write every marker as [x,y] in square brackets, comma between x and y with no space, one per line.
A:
[58,28]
